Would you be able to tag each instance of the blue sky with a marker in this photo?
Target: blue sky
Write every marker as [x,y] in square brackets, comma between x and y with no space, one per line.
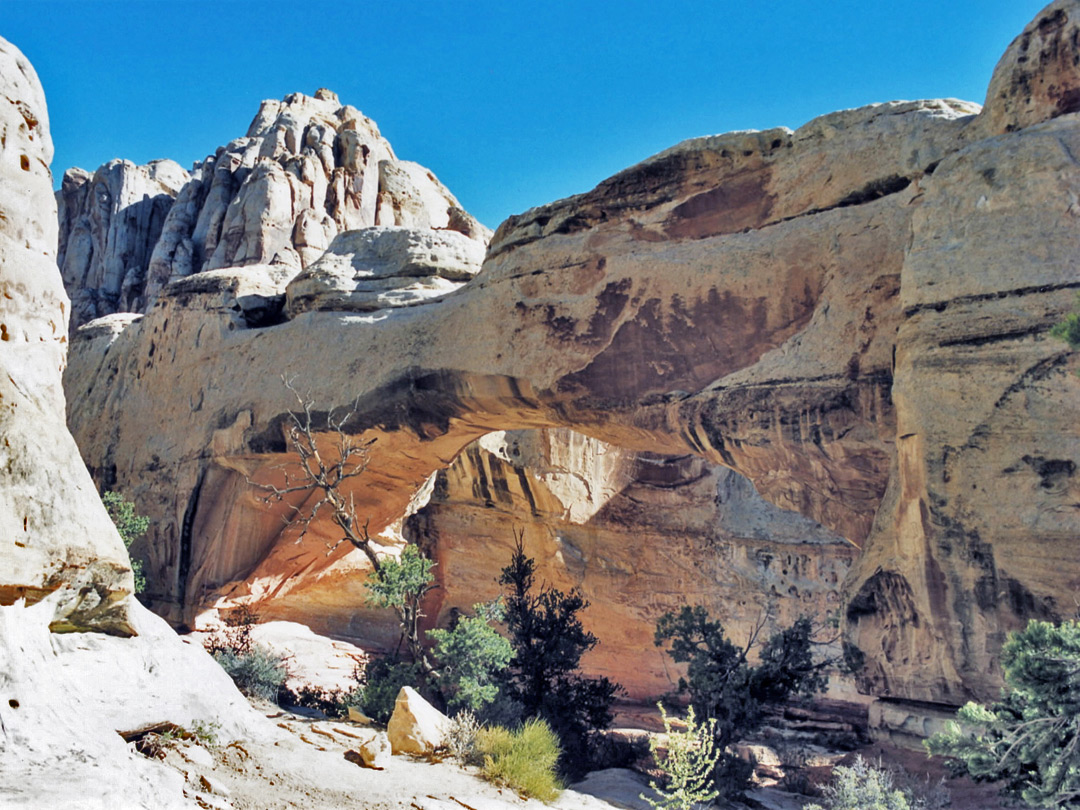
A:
[511,104]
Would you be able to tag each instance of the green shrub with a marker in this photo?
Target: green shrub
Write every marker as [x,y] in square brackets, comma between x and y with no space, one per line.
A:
[471,656]
[687,764]
[257,673]
[131,527]
[401,584]
[1069,329]
[523,760]
[383,679]
[862,787]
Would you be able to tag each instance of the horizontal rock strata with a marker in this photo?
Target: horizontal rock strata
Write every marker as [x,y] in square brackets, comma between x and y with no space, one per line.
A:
[852,315]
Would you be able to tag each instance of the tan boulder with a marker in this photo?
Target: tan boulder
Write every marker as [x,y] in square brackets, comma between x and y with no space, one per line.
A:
[415,727]
[374,752]
[357,716]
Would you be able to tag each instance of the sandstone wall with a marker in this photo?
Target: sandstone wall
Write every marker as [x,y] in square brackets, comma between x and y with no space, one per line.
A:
[983,510]
[852,315]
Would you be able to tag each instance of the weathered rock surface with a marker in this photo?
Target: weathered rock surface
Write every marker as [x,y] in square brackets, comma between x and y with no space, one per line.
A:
[374,268]
[65,695]
[852,315]
[56,534]
[307,170]
[109,224]
[981,516]
[1036,79]
[415,727]
[638,534]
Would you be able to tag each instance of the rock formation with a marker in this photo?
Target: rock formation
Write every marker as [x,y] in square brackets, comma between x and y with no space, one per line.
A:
[308,169]
[638,534]
[56,532]
[64,695]
[109,224]
[852,315]
[416,727]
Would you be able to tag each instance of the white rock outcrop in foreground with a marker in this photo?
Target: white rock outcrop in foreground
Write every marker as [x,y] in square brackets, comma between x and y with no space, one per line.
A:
[66,695]
[55,533]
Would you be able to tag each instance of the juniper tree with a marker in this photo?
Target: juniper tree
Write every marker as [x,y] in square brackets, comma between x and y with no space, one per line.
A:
[1031,737]
[543,677]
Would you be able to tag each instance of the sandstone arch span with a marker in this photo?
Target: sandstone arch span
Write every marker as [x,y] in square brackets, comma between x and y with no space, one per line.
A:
[853,315]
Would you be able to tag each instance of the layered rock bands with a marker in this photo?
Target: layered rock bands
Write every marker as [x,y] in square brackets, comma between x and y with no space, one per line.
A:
[778,370]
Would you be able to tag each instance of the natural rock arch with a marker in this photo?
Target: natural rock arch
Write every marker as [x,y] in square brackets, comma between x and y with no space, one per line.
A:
[809,308]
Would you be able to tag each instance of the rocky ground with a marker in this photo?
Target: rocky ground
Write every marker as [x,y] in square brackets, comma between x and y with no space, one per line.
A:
[309,767]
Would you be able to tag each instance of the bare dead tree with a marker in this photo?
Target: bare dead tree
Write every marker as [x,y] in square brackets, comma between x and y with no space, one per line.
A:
[324,474]
[324,471]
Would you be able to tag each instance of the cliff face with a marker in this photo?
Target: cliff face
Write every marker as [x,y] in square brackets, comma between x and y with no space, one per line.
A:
[308,169]
[852,316]
[109,223]
[64,695]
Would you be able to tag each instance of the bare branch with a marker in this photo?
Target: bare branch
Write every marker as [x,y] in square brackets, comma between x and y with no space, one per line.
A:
[319,475]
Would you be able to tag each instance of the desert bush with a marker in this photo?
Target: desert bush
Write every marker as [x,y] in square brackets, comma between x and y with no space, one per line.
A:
[461,736]
[687,764]
[862,786]
[725,687]
[383,679]
[401,584]
[470,657]
[258,673]
[523,760]
[235,636]
[130,527]
[1069,329]
[331,702]
[542,678]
